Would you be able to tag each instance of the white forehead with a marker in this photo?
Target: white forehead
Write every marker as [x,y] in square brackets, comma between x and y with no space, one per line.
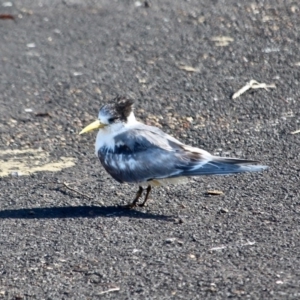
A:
[103,117]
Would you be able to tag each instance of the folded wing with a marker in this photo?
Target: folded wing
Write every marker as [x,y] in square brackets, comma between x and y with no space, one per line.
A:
[145,153]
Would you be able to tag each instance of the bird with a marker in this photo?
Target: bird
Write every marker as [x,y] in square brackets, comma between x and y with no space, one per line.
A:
[136,153]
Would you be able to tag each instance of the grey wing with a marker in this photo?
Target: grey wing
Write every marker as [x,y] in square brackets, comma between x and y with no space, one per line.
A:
[147,153]
[193,161]
[142,154]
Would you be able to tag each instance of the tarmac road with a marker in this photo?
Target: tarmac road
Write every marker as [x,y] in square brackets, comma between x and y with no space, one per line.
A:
[63,235]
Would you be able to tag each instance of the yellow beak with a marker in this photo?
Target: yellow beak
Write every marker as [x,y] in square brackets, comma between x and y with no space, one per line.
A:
[95,125]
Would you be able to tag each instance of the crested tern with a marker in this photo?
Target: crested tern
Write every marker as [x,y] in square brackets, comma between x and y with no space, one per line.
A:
[132,152]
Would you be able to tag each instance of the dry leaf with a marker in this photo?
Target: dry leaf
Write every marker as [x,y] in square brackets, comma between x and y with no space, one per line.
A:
[222,41]
[188,68]
[6,17]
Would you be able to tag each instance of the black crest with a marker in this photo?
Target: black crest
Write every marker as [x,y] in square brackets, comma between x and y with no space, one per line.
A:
[123,107]
[118,109]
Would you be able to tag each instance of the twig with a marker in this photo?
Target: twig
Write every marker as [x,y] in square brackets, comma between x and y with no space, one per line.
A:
[188,68]
[73,190]
[66,185]
[253,84]
[113,289]
[295,132]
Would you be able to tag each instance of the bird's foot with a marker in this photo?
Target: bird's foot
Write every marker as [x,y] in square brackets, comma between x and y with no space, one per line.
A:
[130,205]
[137,197]
[134,204]
[144,204]
[146,197]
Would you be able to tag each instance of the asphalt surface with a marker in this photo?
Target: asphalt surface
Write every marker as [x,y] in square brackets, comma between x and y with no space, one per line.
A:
[181,61]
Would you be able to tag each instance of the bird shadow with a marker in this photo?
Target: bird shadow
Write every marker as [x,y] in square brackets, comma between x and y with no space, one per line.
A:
[63,212]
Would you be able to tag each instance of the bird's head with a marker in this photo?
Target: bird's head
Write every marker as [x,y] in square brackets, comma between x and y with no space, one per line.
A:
[119,110]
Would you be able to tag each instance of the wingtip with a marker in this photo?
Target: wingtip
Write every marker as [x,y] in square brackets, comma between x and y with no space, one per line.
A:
[255,168]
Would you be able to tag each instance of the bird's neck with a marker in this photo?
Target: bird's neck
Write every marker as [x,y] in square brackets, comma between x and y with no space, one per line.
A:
[131,119]
[105,136]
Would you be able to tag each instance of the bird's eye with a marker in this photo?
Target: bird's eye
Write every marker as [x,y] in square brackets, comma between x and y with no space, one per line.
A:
[111,120]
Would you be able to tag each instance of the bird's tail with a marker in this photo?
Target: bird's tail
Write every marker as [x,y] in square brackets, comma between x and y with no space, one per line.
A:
[223,166]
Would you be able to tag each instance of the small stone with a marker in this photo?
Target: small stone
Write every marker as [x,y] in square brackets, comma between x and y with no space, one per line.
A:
[170,240]
[213,287]
[15,174]
[192,256]
[31,45]
[94,278]
[138,3]
[178,221]
[136,250]
[7,4]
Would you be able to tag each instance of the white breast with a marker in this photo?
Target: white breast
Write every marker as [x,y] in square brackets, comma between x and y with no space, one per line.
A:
[105,136]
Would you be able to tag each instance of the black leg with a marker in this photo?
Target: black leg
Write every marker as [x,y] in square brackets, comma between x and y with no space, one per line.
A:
[136,199]
[146,197]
